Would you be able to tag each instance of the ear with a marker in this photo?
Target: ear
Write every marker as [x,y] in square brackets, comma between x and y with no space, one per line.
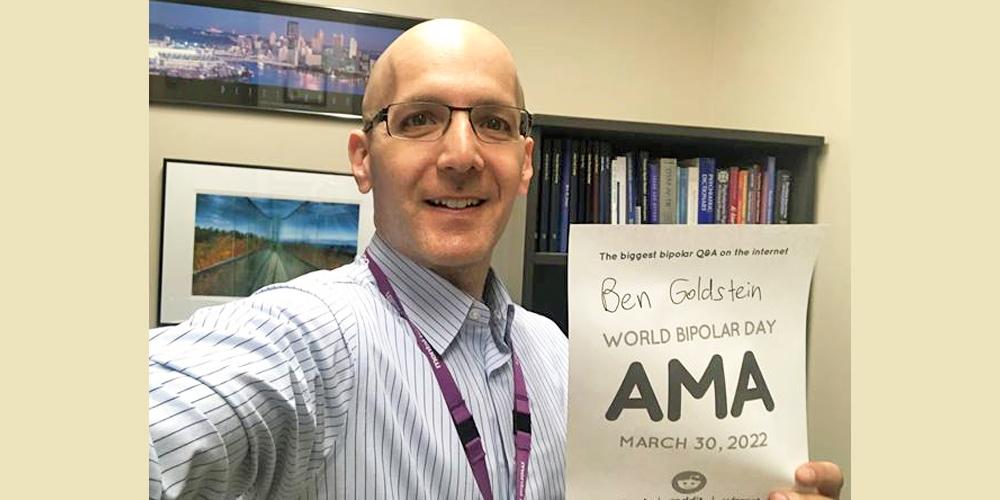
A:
[359,154]
[528,170]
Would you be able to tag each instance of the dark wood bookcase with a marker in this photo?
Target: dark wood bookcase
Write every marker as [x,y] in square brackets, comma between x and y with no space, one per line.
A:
[544,280]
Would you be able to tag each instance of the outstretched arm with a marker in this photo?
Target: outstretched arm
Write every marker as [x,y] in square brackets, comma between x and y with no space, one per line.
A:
[246,397]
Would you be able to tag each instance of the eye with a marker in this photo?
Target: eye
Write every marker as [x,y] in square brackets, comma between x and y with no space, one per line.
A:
[496,123]
[417,120]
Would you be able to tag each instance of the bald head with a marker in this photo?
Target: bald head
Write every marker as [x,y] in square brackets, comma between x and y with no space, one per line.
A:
[437,43]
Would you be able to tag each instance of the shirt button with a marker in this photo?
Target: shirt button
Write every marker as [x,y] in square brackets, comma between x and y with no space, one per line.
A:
[475,315]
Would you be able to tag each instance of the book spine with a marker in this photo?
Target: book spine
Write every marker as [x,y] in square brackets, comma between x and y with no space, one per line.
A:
[595,191]
[542,217]
[668,191]
[565,187]
[759,181]
[630,187]
[682,194]
[741,211]
[644,186]
[654,191]
[692,201]
[753,194]
[784,181]
[621,181]
[706,190]
[613,201]
[574,176]
[605,183]
[721,195]
[734,195]
[555,196]
[768,205]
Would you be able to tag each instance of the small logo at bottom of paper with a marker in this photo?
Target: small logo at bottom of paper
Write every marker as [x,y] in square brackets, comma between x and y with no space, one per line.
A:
[689,482]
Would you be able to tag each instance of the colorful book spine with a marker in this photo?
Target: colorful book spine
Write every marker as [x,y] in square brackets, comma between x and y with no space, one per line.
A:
[734,195]
[682,194]
[767,205]
[668,190]
[741,209]
[654,190]
[706,190]
[753,190]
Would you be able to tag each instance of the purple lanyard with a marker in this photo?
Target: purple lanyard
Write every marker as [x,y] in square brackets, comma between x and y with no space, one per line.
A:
[468,433]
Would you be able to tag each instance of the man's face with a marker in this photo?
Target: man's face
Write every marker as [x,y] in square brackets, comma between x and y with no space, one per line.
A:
[411,179]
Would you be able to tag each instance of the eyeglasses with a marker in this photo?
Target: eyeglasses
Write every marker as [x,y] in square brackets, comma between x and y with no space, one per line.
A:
[428,121]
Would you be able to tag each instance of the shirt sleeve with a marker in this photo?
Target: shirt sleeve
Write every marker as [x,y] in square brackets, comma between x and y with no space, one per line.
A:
[247,398]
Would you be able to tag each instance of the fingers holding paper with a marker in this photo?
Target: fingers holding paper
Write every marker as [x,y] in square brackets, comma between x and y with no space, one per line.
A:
[816,481]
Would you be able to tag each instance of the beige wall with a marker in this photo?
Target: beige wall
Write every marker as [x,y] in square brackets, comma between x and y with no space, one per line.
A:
[780,66]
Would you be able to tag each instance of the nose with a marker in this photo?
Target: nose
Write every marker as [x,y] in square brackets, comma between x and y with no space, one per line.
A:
[460,146]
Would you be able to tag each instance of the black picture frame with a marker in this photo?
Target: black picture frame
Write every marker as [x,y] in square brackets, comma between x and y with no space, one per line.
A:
[237,54]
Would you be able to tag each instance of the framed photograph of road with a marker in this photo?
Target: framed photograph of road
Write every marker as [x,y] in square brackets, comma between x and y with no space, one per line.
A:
[265,55]
[229,230]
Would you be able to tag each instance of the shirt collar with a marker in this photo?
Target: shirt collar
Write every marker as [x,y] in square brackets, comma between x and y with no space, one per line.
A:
[436,307]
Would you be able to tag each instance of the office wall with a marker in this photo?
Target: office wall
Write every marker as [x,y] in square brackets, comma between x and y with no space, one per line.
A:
[781,66]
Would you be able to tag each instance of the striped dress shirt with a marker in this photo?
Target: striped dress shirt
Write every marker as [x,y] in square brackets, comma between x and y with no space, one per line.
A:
[315,388]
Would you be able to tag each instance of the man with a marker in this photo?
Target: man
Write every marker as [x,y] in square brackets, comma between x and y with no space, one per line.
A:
[360,382]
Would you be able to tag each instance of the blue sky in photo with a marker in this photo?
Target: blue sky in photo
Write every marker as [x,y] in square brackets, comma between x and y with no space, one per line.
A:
[295,220]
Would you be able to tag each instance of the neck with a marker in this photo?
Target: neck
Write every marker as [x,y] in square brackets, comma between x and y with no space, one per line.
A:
[470,279]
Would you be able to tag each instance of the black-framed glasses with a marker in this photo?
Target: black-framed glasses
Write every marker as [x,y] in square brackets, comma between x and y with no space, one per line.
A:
[428,121]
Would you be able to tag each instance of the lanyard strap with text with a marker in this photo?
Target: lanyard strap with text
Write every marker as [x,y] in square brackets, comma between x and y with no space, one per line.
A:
[465,425]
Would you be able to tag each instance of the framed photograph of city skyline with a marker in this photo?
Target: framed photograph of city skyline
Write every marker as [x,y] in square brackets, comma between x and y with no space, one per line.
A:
[265,55]
[229,230]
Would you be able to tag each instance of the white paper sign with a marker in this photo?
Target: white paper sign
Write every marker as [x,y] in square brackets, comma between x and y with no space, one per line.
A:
[687,360]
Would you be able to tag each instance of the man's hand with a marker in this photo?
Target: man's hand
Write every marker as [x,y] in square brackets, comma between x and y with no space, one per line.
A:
[819,481]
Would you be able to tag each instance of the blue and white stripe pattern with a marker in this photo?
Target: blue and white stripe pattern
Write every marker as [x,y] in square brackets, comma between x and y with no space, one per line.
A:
[316,389]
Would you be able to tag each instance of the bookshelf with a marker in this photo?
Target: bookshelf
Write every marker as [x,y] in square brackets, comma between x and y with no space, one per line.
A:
[544,278]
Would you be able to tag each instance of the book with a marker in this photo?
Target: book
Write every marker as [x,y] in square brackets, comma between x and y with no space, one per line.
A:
[767,205]
[555,196]
[741,207]
[682,194]
[642,163]
[605,185]
[574,179]
[706,190]
[668,190]
[752,203]
[734,195]
[595,178]
[721,195]
[692,198]
[544,185]
[653,165]
[630,187]
[565,186]
[783,192]
[618,181]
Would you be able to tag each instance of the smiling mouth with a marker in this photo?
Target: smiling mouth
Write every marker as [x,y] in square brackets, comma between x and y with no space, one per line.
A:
[456,204]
